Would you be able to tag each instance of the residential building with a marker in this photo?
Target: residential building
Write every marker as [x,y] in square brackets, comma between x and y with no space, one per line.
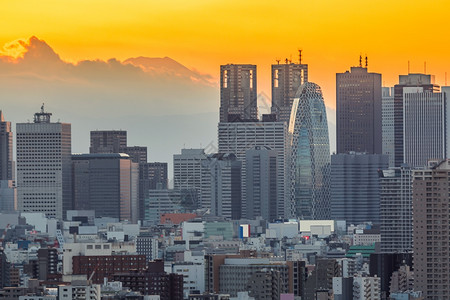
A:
[366,288]
[358,111]
[355,195]
[261,183]
[431,216]
[396,209]
[238,93]
[79,290]
[310,160]
[286,80]
[44,172]
[148,246]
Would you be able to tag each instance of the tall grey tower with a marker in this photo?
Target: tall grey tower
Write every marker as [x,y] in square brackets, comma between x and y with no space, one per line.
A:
[7,188]
[286,79]
[407,83]
[310,154]
[238,93]
[358,111]
[108,141]
[6,150]
[44,166]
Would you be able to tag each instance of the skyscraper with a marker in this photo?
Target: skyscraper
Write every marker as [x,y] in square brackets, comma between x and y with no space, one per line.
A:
[396,209]
[221,185]
[7,188]
[106,183]
[238,137]
[6,150]
[425,127]
[152,176]
[138,154]
[358,111]
[238,93]
[108,141]
[44,166]
[431,217]
[411,83]
[387,103]
[310,160]
[286,79]
[355,188]
[187,167]
[261,182]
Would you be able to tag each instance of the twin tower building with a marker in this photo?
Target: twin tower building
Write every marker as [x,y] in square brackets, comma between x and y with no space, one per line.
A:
[285,155]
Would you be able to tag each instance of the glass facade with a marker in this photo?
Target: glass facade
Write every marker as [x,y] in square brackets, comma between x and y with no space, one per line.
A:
[310,162]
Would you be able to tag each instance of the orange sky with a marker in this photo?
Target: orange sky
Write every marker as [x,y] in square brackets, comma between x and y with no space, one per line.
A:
[204,34]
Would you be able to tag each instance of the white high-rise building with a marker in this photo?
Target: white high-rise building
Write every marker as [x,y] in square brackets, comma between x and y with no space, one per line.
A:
[187,169]
[425,126]
[387,124]
[239,137]
[44,166]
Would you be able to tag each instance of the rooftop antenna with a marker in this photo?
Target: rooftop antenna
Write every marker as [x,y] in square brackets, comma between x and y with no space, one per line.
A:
[278,61]
[42,108]
[360,61]
[300,56]
[367,62]
[408,66]
[286,60]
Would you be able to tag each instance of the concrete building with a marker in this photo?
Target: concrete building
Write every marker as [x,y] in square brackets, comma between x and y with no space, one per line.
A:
[407,84]
[355,186]
[261,183]
[431,216]
[221,185]
[159,202]
[187,169]
[396,209]
[193,275]
[44,173]
[80,290]
[138,154]
[152,176]
[358,111]
[366,288]
[153,281]
[6,150]
[286,79]
[238,137]
[108,141]
[310,156]
[238,93]
[425,126]
[265,284]
[387,126]
[8,196]
[107,183]
[148,246]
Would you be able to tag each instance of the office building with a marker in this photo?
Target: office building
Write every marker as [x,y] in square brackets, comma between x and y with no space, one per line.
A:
[138,154]
[238,93]
[431,216]
[286,79]
[6,150]
[411,83]
[148,246]
[108,141]
[221,185]
[261,183]
[107,183]
[358,111]
[79,290]
[159,202]
[152,176]
[310,161]
[44,166]
[396,209]
[425,127]
[355,195]
[238,137]
[387,126]
[187,168]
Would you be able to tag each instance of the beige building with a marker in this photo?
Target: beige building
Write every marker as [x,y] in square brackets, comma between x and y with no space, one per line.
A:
[431,217]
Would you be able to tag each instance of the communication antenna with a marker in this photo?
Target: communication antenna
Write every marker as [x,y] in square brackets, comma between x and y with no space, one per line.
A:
[300,56]
[286,60]
[360,61]
[278,61]
[367,62]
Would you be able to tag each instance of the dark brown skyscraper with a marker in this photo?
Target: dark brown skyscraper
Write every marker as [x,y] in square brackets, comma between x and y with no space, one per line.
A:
[108,141]
[358,111]
[6,150]
[238,93]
